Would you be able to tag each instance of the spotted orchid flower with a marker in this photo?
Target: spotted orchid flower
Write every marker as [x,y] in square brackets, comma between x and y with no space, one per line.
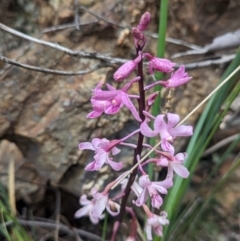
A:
[103,149]
[152,189]
[158,64]
[174,163]
[94,208]
[167,129]
[179,77]
[112,100]
[155,223]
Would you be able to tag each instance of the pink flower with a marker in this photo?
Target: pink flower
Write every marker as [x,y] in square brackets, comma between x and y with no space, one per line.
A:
[167,129]
[156,222]
[144,21]
[126,69]
[158,64]
[174,163]
[151,189]
[99,108]
[103,148]
[111,101]
[94,208]
[178,78]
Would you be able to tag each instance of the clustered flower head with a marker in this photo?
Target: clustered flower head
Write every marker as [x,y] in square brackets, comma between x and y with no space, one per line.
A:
[110,101]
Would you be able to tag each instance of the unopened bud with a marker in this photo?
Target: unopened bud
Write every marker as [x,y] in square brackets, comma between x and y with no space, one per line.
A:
[144,21]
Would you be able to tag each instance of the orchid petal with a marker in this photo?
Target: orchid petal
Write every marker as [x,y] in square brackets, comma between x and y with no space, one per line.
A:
[111,205]
[166,146]
[148,230]
[130,106]
[91,166]
[96,142]
[94,114]
[114,165]
[163,161]
[180,170]
[105,95]
[142,198]
[115,151]
[159,187]
[180,157]
[86,145]
[113,109]
[146,130]
[161,126]
[172,120]
[156,201]
[83,211]
[144,181]
[181,131]
[83,200]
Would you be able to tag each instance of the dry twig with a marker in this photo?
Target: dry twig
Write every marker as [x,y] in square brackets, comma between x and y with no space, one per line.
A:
[79,54]
[52,71]
[51,225]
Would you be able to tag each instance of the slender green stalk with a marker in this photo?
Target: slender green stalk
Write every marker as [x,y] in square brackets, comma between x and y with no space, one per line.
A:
[233,167]
[105,225]
[203,133]
[163,13]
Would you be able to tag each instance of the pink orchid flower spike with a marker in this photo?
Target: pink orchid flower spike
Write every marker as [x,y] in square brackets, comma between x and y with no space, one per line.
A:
[102,153]
[168,130]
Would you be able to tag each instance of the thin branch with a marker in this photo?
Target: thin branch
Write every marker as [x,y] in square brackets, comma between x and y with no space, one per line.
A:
[76,14]
[221,60]
[50,225]
[152,35]
[99,17]
[44,31]
[91,55]
[175,41]
[52,71]
[220,144]
[57,212]
[64,26]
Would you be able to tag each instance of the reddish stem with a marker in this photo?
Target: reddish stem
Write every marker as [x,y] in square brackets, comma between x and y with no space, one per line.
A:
[138,150]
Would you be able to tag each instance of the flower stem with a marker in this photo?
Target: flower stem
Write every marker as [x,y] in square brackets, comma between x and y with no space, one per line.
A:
[138,150]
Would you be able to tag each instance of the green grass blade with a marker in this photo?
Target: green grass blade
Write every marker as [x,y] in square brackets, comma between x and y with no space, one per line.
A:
[163,13]
[198,142]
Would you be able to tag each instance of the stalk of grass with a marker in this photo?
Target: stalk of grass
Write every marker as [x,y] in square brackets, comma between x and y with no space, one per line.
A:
[205,128]
[236,164]
[17,232]
[105,225]
[187,223]
[163,13]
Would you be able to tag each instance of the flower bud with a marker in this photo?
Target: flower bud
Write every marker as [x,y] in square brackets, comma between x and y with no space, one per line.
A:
[126,69]
[144,21]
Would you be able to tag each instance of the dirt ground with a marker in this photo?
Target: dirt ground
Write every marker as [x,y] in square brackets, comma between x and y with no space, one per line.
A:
[43,116]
